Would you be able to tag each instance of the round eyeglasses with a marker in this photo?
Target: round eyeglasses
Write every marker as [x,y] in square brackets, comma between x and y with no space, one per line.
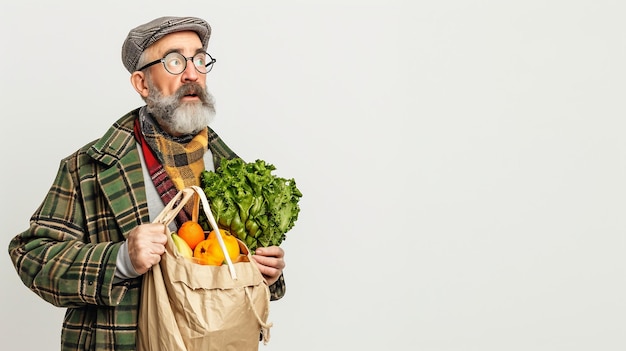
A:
[176,63]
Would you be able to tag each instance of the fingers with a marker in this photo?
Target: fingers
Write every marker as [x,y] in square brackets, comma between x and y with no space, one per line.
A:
[270,274]
[274,251]
[271,256]
[146,244]
[270,261]
[156,233]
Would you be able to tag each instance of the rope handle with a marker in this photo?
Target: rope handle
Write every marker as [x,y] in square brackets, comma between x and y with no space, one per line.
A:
[265,326]
[169,212]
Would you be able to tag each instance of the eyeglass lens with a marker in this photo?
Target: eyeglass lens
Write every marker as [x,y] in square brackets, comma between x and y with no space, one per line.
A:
[176,63]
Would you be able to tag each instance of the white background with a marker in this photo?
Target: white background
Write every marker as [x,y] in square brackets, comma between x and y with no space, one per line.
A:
[462,162]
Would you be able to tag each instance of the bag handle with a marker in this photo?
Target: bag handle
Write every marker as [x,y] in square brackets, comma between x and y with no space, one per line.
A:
[213,223]
[170,211]
[265,326]
[177,203]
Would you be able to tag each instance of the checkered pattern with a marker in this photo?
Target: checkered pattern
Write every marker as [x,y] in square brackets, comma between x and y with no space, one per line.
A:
[140,38]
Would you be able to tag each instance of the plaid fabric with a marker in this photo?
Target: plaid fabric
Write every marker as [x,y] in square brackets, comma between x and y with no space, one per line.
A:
[67,256]
[164,185]
[183,159]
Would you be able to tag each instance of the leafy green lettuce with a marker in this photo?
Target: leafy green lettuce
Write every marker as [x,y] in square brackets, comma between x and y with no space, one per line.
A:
[250,202]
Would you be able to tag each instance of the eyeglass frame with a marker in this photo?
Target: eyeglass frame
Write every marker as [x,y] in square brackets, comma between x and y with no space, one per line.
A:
[162,60]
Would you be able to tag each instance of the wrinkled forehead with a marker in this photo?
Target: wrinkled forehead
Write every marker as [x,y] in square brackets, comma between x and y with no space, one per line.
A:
[186,43]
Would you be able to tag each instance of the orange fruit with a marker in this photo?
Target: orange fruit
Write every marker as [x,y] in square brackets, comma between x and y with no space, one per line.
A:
[209,251]
[192,233]
[230,241]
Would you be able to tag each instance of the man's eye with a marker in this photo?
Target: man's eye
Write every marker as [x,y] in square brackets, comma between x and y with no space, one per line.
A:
[175,62]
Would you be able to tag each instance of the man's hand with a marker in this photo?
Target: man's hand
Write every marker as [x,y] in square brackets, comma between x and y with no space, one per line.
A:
[270,261]
[146,244]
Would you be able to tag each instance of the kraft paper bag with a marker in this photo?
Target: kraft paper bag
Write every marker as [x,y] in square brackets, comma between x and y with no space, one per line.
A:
[188,306]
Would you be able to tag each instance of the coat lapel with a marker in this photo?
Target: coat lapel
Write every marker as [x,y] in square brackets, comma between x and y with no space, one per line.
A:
[120,171]
[130,207]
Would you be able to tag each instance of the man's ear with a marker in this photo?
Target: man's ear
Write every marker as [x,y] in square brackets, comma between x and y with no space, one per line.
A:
[138,81]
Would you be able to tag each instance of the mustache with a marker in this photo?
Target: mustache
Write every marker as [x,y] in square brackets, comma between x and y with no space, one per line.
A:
[191,89]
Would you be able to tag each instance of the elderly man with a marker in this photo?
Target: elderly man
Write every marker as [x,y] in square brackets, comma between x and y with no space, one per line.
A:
[92,238]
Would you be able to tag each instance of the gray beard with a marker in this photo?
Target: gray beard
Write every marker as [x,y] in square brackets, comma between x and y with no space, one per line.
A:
[178,117]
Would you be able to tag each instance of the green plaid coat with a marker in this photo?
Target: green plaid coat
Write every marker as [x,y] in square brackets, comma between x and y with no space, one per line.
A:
[68,254]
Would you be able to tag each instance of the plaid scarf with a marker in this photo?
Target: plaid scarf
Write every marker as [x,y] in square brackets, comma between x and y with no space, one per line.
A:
[173,163]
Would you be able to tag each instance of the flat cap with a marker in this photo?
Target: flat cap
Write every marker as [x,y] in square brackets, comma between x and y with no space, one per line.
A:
[140,38]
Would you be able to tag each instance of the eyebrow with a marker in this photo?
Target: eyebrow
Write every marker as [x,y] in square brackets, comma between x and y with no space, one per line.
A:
[178,50]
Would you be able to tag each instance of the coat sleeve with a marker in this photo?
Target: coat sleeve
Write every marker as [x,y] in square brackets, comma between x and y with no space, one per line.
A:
[57,258]
[277,290]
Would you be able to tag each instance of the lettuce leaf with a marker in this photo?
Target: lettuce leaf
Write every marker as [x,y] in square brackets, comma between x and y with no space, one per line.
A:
[250,202]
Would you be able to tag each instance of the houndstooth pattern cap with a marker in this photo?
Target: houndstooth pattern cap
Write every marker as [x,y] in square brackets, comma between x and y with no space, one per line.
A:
[141,37]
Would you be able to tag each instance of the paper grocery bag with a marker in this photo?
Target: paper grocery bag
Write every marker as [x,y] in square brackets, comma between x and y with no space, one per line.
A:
[188,306]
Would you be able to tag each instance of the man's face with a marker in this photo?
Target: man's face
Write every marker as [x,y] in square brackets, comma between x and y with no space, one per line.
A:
[185,43]
[180,103]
